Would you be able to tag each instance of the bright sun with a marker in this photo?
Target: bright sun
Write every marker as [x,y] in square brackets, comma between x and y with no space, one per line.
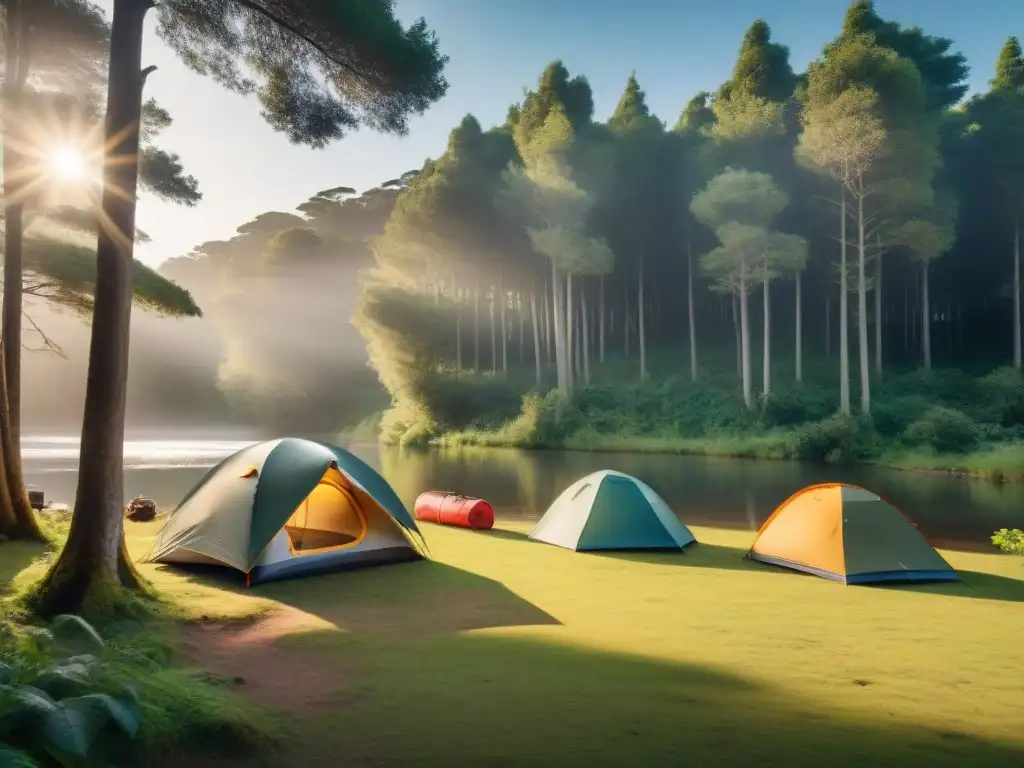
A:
[68,164]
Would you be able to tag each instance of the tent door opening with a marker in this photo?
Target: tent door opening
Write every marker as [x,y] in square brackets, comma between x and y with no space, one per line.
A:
[330,518]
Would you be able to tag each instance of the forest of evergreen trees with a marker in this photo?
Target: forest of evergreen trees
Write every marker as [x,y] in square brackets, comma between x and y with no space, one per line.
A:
[839,241]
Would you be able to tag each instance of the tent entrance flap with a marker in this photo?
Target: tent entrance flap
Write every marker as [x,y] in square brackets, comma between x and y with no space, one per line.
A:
[330,518]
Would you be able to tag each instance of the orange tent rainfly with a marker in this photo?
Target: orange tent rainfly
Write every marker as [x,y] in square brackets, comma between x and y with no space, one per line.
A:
[848,534]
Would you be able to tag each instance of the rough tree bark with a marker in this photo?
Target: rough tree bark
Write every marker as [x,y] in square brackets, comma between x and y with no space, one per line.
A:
[94,563]
[17,520]
[570,328]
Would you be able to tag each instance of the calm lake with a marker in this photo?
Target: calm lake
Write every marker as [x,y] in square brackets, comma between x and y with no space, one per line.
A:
[953,513]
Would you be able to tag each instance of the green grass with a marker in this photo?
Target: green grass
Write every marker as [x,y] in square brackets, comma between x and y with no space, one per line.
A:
[1001,463]
[183,709]
[511,653]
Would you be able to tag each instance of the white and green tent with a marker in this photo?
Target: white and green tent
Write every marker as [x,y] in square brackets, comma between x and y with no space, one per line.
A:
[289,507]
[609,510]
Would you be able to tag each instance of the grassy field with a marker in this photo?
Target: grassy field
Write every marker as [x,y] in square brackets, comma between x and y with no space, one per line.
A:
[503,652]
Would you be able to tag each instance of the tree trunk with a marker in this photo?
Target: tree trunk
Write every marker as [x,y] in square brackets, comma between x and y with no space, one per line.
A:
[94,562]
[862,310]
[558,320]
[536,337]
[738,334]
[844,312]
[640,322]
[748,395]
[878,313]
[521,311]
[570,332]
[578,340]
[476,326]
[494,332]
[926,319]
[586,336]
[600,320]
[625,324]
[504,325]
[16,187]
[1016,295]
[690,312]
[458,338]
[766,361]
[17,520]
[828,326]
[799,328]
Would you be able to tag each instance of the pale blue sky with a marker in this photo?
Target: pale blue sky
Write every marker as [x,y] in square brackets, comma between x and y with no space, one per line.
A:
[497,48]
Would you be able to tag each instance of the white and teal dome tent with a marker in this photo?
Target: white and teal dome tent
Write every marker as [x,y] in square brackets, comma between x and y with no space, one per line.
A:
[289,507]
[608,510]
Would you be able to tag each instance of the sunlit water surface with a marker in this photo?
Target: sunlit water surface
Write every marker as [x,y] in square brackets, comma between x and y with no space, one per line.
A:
[732,493]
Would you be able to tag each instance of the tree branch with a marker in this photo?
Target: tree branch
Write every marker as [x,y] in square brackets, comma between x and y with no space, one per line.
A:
[252,6]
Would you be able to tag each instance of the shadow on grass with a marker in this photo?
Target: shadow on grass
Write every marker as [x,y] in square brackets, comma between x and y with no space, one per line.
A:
[973,584]
[548,703]
[694,556]
[16,556]
[422,597]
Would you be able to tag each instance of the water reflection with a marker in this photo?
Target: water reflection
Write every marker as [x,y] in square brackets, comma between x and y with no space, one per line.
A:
[951,512]
[732,493]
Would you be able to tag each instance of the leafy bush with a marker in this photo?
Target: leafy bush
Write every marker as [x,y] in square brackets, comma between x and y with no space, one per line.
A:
[1003,391]
[892,416]
[797,404]
[1009,540]
[836,440]
[482,402]
[944,429]
[61,708]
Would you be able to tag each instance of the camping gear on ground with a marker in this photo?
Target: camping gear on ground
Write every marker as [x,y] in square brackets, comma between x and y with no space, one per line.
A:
[36,498]
[289,507]
[846,533]
[446,508]
[609,510]
[140,510]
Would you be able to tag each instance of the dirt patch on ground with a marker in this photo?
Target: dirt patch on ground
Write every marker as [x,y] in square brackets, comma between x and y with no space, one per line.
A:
[266,672]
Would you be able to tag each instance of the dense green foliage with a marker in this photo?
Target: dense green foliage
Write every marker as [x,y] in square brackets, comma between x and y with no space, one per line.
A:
[1009,540]
[875,210]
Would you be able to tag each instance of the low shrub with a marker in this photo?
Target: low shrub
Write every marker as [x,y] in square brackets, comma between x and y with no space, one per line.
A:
[74,696]
[62,699]
[797,404]
[944,429]
[1009,540]
[1003,391]
[892,416]
[836,440]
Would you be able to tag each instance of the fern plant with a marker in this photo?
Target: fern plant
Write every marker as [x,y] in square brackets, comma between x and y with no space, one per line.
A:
[60,700]
[1009,540]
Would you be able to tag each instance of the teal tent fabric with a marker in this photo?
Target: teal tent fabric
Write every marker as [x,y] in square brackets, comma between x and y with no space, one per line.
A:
[611,511]
[288,474]
[235,515]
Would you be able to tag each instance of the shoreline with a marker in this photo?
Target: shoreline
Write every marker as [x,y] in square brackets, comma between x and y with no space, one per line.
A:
[1009,470]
